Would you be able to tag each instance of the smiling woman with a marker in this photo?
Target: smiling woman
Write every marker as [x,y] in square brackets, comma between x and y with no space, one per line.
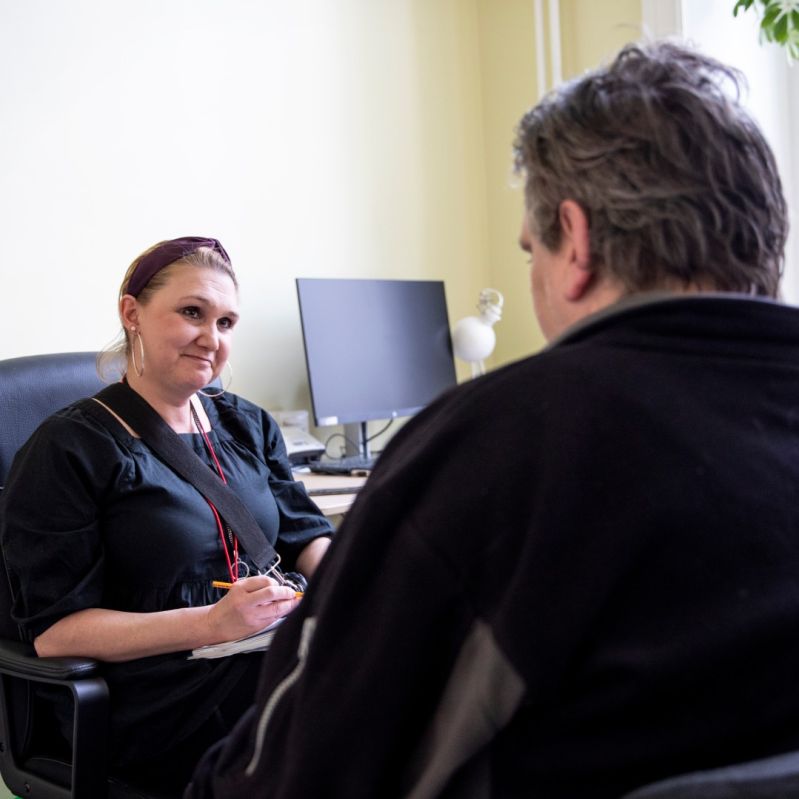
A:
[124,571]
[179,304]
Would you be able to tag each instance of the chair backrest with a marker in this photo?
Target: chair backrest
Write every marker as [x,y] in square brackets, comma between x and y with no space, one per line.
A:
[34,387]
[770,778]
[31,389]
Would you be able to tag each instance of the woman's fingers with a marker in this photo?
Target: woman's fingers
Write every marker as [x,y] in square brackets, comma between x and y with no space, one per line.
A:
[262,588]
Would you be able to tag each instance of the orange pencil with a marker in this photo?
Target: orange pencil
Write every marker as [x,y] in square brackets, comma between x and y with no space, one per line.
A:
[223,584]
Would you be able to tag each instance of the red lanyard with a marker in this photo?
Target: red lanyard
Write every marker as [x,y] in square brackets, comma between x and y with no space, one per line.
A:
[230,543]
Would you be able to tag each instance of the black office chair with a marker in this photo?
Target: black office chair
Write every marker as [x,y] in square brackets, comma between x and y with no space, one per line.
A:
[34,759]
[769,778]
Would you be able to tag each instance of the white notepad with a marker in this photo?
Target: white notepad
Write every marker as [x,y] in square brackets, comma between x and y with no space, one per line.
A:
[257,642]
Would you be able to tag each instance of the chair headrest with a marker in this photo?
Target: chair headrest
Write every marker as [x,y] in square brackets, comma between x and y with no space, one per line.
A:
[34,387]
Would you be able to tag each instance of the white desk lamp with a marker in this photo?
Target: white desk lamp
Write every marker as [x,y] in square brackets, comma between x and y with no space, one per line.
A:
[473,337]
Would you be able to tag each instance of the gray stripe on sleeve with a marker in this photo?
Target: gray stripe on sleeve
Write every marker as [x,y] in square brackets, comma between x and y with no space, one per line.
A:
[483,692]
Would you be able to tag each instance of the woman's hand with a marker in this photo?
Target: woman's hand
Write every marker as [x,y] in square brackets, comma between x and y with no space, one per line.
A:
[251,604]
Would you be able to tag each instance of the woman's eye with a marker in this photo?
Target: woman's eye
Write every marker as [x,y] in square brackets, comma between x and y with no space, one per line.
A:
[192,312]
[226,323]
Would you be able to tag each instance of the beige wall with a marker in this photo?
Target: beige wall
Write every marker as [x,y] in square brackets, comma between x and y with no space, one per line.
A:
[508,88]
[592,31]
[349,138]
[315,138]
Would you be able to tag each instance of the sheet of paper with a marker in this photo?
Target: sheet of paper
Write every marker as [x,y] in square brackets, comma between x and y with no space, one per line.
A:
[257,642]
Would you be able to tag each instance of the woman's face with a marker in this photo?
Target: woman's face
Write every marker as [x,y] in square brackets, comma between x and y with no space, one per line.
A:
[187,328]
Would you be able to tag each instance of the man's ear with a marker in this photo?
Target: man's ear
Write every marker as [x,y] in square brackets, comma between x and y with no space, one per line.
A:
[577,238]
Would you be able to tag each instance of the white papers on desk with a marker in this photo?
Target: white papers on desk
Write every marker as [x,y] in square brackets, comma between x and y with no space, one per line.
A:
[257,642]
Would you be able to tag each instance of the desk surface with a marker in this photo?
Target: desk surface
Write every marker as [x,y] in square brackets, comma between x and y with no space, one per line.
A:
[331,504]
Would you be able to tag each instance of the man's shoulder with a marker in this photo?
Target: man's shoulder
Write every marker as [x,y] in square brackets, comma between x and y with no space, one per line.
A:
[675,314]
[620,356]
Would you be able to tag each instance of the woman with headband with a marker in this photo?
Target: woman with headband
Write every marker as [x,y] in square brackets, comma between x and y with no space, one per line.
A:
[112,555]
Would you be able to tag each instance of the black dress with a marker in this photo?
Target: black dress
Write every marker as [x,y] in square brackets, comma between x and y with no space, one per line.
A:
[93,520]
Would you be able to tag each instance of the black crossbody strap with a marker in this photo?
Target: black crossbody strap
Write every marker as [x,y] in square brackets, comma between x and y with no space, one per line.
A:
[166,443]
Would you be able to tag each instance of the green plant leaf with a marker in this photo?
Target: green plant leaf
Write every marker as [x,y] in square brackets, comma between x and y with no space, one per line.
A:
[779,22]
[772,12]
[781,30]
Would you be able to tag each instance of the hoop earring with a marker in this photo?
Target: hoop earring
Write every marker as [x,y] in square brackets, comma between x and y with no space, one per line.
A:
[224,388]
[136,368]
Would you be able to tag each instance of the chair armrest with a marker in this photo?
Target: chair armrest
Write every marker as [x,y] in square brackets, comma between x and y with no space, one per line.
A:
[83,678]
[20,660]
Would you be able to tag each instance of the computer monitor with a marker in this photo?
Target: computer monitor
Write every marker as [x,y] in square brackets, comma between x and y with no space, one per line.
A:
[374,349]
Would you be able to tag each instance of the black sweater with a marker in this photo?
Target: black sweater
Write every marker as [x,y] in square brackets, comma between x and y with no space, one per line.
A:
[573,576]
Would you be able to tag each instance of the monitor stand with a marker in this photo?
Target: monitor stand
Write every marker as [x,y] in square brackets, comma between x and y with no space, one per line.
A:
[356,439]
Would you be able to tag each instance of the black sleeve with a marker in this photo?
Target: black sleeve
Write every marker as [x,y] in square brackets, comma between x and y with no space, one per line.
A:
[300,519]
[50,521]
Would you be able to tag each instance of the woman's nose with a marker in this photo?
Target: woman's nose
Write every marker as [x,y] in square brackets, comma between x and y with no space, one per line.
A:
[209,337]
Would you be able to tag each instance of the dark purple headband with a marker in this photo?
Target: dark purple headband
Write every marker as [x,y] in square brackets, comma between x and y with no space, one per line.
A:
[167,253]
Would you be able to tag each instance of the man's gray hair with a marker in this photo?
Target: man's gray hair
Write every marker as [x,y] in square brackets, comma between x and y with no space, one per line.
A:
[676,179]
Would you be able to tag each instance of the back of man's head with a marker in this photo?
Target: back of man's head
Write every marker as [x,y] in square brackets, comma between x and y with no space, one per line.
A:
[679,186]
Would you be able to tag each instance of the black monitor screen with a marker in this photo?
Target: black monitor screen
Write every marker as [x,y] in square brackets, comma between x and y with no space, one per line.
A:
[375,349]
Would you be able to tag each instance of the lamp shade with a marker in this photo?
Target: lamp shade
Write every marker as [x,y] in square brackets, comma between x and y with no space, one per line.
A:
[473,337]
